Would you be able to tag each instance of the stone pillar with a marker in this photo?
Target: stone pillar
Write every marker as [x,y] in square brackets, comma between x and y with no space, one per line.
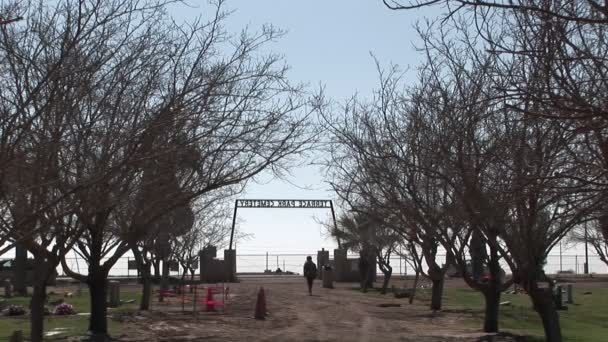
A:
[114,293]
[205,257]
[230,262]
[322,259]
[569,294]
[202,265]
[340,266]
[20,286]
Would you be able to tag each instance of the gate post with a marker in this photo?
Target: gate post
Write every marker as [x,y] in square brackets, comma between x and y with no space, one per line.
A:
[230,260]
[322,260]
[236,205]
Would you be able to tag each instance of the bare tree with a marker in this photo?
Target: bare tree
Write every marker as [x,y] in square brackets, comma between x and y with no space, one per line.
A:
[41,82]
[173,99]
[580,12]
[211,228]
[115,86]
[374,166]
[524,193]
[10,12]
[365,233]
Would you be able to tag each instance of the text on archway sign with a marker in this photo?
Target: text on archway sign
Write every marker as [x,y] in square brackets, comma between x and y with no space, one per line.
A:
[270,203]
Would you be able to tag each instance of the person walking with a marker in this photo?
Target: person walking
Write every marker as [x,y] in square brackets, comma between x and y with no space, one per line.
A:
[310,273]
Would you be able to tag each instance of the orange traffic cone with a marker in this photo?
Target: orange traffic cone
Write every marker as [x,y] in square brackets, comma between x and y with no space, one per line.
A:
[209,301]
[260,305]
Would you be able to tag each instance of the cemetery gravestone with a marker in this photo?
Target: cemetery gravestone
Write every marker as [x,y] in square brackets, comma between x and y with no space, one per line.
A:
[17,336]
[569,295]
[558,298]
[8,288]
[114,292]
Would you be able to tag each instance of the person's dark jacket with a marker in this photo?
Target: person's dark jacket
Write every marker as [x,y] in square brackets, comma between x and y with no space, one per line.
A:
[310,269]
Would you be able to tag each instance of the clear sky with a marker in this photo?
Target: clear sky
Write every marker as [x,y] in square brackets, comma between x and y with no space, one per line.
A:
[328,42]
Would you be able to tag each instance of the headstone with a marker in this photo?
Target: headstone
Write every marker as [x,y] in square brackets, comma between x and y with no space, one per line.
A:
[114,292]
[8,288]
[558,298]
[17,336]
[569,294]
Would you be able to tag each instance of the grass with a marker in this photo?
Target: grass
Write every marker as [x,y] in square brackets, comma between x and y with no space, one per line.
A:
[66,325]
[585,320]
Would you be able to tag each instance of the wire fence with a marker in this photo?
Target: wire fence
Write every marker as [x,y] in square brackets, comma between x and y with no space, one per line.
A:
[258,263]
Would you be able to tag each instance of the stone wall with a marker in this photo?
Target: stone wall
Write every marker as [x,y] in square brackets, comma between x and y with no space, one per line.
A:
[345,269]
[214,270]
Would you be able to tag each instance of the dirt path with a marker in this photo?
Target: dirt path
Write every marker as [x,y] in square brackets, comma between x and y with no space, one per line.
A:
[340,314]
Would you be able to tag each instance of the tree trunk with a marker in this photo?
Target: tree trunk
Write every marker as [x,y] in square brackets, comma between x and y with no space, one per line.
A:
[20,285]
[98,322]
[387,278]
[43,270]
[415,286]
[372,268]
[143,268]
[492,298]
[184,273]
[156,269]
[437,293]
[478,254]
[146,294]
[543,302]
[365,282]
[492,291]
[37,311]
[164,280]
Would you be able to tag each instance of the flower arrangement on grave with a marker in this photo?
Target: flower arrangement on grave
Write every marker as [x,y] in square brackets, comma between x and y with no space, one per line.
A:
[64,309]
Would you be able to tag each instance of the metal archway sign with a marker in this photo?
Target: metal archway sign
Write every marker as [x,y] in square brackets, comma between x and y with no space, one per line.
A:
[280,204]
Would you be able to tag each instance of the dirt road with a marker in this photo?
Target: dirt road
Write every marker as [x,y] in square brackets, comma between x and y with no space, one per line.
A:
[340,314]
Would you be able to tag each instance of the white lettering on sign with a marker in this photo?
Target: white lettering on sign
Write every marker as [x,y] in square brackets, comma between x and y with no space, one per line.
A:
[273,203]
